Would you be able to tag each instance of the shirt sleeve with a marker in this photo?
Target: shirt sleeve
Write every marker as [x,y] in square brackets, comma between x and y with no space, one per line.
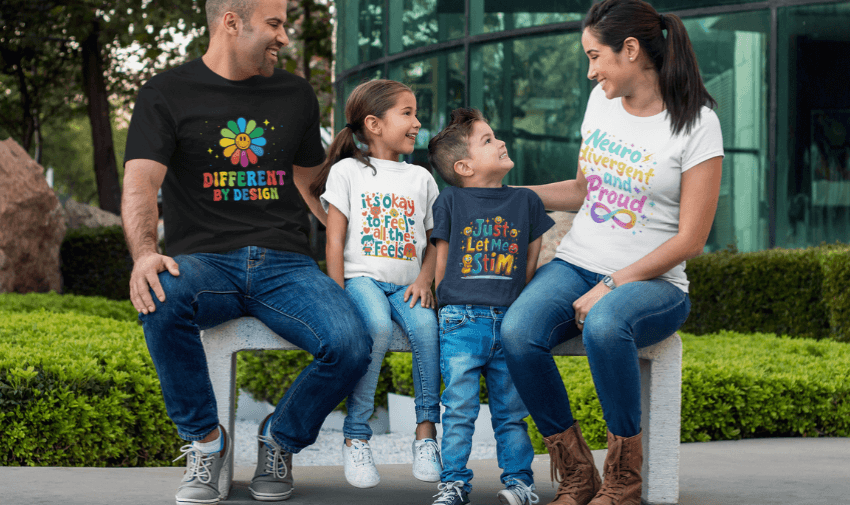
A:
[442,218]
[152,134]
[432,194]
[540,220]
[338,190]
[704,142]
[311,153]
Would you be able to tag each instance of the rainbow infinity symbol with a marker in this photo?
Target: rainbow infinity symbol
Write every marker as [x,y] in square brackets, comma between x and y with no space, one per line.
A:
[610,215]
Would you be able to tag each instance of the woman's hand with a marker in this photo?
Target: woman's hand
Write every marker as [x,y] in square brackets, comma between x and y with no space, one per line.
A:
[419,290]
[583,305]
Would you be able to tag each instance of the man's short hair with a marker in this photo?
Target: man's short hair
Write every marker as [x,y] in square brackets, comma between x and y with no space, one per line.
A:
[452,144]
[215,9]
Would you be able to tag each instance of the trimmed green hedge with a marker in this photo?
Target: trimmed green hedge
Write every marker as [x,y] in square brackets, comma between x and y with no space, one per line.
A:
[79,390]
[798,292]
[54,302]
[96,262]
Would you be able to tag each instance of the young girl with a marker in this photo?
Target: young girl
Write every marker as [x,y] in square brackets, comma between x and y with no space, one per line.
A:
[378,250]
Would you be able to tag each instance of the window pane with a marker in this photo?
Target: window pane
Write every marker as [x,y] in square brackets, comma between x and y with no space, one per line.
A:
[419,23]
[732,55]
[813,154]
[497,15]
[360,32]
[534,92]
[438,83]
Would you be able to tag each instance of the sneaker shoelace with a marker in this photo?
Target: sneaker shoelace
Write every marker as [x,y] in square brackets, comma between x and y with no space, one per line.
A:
[361,453]
[524,492]
[199,463]
[448,491]
[427,450]
[275,457]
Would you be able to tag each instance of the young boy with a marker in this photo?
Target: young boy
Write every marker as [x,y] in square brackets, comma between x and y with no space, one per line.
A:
[487,237]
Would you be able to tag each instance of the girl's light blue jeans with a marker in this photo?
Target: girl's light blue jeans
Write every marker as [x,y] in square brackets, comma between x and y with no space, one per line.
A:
[632,316]
[379,304]
[470,346]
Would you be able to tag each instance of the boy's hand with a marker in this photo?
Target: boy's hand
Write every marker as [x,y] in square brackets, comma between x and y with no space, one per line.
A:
[419,291]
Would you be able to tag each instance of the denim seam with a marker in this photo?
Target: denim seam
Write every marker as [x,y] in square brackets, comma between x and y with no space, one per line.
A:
[662,311]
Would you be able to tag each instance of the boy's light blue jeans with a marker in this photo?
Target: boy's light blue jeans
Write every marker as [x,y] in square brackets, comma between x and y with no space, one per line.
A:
[470,346]
[288,293]
[632,316]
[379,304]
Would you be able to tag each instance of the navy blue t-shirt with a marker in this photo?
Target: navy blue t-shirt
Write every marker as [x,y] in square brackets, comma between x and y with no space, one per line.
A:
[488,231]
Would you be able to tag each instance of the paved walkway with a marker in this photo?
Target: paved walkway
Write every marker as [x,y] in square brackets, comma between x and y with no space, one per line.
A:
[748,472]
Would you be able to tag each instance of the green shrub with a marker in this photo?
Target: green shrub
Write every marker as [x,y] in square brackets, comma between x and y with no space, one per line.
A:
[79,390]
[777,291]
[96,262]
[836,273]
[54,302]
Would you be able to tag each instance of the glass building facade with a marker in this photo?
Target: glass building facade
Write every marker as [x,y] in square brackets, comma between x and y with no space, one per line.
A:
[779,70]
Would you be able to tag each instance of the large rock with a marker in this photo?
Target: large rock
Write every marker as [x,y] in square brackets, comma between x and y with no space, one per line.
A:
[80,214]
[32,225]
[551,239]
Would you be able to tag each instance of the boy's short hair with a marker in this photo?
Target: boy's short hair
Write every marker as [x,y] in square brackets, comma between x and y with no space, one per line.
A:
[452,144]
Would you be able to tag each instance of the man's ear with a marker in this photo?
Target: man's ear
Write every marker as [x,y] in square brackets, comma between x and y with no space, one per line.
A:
[231,23]
[463,168]
[372,125]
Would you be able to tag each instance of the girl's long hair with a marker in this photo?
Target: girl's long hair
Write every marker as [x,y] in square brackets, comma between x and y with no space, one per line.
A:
[682,89]
[371,98]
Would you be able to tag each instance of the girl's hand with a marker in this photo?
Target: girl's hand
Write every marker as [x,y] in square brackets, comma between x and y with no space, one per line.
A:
[419,291]
[583,305]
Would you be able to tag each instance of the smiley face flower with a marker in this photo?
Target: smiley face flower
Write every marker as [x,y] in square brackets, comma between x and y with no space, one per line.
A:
[242,141]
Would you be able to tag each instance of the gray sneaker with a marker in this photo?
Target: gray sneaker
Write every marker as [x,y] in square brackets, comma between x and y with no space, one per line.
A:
[518,494]
[200,480]
[273,478]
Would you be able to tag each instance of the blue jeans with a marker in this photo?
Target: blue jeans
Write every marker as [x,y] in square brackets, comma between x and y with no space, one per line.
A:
[632,316]
[470,346]
[379,304]
[288,293]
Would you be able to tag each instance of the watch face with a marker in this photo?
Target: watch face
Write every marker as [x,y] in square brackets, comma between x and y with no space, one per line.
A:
[608,281]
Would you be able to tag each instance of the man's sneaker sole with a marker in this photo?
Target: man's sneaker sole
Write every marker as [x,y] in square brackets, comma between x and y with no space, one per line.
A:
[272,497]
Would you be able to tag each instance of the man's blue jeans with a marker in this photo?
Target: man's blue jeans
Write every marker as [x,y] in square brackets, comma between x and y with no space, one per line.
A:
[470,346]
[288,293]
[379,304]
[632,316]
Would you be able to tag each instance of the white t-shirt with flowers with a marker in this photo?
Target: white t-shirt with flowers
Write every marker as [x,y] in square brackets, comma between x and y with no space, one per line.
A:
[633,166]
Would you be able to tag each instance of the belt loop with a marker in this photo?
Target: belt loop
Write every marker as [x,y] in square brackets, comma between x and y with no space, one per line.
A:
[470,313]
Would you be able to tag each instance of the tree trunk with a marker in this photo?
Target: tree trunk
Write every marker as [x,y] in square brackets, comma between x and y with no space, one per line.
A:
[105,169]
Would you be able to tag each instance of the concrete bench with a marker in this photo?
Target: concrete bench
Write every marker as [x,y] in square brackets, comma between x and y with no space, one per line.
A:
[661,385]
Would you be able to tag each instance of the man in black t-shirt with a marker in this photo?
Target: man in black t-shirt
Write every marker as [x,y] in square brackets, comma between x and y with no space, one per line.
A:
[234,144]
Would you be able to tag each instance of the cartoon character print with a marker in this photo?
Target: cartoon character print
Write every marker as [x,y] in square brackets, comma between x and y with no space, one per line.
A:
[388,226]
[489,249]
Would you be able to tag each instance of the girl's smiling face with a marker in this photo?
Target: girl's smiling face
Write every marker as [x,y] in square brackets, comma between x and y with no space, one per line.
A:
[396,132]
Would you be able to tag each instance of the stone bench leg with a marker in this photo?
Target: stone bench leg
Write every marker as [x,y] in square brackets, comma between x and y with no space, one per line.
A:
[661,404]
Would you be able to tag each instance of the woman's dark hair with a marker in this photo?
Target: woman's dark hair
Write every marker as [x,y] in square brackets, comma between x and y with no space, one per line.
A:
[684,94]
[371,98]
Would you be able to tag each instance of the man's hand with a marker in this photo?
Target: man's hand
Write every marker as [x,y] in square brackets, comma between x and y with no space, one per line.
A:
[145,277]
[419,291]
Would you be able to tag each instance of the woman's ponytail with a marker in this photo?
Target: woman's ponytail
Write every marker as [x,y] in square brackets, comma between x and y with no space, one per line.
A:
[682,89]
[371,98]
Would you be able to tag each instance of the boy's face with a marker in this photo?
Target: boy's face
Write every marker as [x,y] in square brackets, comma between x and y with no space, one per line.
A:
[488,156]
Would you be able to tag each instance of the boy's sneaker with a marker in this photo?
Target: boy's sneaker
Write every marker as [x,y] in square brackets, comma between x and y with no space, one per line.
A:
[426,460]
[451,493]
[273,477]
[518,494]
[359,466]
[200,480]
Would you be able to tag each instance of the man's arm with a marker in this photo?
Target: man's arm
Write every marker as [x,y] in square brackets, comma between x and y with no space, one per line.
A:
[142,180]
[304,177]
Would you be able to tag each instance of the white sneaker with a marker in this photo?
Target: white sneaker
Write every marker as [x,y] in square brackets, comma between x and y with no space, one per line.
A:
[359,466]
[426,460]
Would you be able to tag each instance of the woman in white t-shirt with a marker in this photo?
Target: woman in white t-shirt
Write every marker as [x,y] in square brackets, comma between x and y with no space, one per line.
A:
[646,193]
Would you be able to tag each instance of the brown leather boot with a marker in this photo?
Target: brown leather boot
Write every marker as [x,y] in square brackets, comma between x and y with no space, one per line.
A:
[571,464]
[622,483]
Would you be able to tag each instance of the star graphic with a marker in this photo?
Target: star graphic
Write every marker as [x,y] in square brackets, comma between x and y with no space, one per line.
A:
[272,128]
[652,204]
[637,190]
[643,216]
[209,151]
[266,122]
[216,156]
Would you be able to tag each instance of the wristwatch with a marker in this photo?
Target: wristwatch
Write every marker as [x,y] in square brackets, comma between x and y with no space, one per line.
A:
[608,281]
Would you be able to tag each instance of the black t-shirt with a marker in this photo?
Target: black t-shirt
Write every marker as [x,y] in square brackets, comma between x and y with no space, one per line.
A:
[229,147]
[488,231]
